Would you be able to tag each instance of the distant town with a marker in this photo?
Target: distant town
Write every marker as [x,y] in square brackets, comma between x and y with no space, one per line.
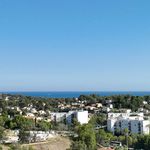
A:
[89,122]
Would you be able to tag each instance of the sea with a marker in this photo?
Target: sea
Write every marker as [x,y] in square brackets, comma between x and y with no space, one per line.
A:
[75,94]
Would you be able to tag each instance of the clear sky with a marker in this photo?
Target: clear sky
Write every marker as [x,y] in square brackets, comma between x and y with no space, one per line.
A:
[59,45]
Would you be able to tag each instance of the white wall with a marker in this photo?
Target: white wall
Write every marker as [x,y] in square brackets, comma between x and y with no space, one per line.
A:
[137,123]
[82,117]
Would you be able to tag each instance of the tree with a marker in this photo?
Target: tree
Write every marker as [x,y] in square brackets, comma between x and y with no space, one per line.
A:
[126,133]
[143,142]
[20,122]
[75,125]
[99,119]
[44,126]
[2,134]
[2,121]
[103,137]
[24,136]
[78,145]
[86,134]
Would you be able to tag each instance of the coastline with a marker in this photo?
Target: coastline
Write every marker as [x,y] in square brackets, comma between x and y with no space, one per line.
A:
[71,94]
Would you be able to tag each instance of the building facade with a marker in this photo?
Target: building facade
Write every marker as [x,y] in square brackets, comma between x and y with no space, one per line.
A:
[134,122]
[80,116]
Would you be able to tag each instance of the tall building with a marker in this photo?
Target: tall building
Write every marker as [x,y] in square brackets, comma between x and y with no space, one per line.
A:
[80,116]
[134,122]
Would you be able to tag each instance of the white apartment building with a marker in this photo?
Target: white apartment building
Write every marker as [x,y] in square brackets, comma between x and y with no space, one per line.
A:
[81,116]
[58,116]
[134,122]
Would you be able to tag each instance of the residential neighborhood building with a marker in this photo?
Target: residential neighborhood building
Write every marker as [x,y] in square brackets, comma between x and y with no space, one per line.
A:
[81,116]
[134,122]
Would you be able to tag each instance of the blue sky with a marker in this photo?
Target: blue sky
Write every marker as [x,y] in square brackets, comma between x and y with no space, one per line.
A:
[66,45]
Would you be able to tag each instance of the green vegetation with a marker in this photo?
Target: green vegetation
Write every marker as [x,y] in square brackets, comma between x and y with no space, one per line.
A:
[88,135]
[24,136]
[86,139]
[143,142]
[119,101]
[98,119]
[43,125]
[19,122]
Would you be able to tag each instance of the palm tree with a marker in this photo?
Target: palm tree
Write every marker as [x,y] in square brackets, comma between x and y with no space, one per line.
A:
[126,133]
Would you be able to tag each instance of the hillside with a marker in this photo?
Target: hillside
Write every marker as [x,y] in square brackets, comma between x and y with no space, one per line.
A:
[59,143]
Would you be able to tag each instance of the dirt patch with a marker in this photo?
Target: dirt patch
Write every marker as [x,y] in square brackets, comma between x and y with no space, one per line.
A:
[4,147]
[59,143]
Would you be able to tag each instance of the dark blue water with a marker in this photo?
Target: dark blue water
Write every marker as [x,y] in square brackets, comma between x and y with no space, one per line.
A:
[76,94]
